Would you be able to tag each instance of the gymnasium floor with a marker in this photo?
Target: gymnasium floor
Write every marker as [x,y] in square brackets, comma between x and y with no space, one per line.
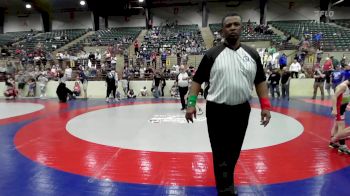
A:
[145,147]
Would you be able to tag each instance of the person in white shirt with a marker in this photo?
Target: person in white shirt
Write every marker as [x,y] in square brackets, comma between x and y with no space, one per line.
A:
[182,82]
[68,73]
[143,92]
[42,79]
[294,68]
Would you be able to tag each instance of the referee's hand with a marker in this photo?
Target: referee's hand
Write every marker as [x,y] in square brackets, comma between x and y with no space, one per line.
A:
[190,112]
[265,117]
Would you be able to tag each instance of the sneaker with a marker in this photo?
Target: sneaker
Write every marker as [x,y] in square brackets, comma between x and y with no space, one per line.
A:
[107,100]
[333,145]
[344,149]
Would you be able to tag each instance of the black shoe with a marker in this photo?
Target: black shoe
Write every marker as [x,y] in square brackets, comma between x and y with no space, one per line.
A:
[333,145]
[228,192]
[344,149]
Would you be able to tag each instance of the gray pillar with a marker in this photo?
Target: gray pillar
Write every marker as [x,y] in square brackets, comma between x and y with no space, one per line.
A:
[95,21]
[2,19]
[263,11]
[204,14]
[47,23]
[106,22]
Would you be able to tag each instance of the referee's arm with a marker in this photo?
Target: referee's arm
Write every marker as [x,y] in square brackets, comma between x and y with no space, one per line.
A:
[195,88]
[261,90]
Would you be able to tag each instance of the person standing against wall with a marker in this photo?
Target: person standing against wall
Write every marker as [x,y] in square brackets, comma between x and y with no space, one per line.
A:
[182,82]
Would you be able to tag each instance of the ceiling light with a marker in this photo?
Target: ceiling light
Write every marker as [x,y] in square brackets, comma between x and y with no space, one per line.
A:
[140,1]
[82,3]
[28,6]
[337,2]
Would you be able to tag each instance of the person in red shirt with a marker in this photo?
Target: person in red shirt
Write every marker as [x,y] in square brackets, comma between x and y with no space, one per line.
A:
[136,46]
[327,71]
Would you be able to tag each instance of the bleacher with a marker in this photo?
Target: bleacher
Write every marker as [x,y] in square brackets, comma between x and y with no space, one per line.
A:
[108,37]
[170,36]
[334,38]
[249,37]
[342,22]
[12,37]
[52,40]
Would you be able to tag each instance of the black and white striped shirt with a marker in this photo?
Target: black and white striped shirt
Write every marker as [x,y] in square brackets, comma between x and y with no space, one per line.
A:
[230,73]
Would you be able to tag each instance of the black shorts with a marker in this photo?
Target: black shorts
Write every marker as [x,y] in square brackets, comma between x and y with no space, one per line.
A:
[21,85]
[343,108]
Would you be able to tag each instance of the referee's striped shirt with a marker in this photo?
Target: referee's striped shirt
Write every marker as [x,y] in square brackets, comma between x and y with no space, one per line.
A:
[230,73]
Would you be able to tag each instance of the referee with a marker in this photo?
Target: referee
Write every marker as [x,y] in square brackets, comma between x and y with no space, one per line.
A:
[231,69]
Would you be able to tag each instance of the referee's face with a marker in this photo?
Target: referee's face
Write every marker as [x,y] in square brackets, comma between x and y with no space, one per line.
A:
[232,28]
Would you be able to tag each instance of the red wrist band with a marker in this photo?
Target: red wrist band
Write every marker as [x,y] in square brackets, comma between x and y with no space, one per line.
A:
[265,103]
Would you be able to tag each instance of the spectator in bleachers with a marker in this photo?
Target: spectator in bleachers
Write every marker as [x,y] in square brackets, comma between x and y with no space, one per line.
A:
[142,72]
[286,38]
[343,61]
[68,72]
[178,57]
[154,59]
[136,46]
[163,57]
[283,61]
[126,57]
[184,58]
[91,59]
[271,50]
[317,38]
[98,57]
[269,62]
[114,62]
[72,59]
[319,54]
[10,68]
[83,56]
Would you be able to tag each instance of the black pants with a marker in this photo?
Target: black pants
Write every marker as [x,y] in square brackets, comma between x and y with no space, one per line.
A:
[111,89]
[226,127]
[294,73]
[183,92]
[162,91]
